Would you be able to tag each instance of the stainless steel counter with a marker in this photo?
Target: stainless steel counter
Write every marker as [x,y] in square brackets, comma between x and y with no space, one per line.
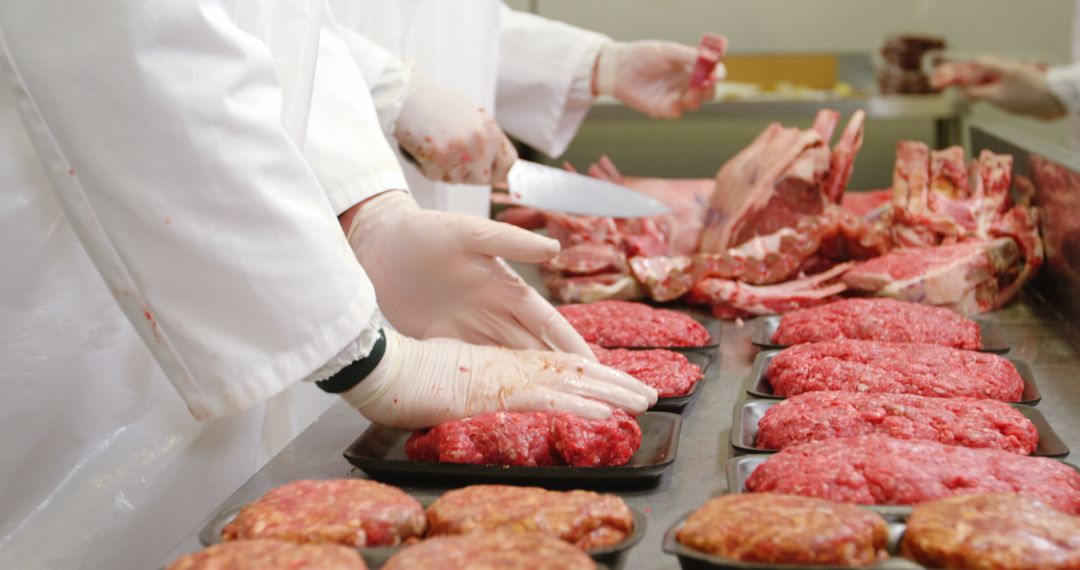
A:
[1038,336]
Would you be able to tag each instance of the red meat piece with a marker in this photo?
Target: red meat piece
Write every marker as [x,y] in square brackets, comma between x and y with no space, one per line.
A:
[628,324]
[667,371]
[878,319]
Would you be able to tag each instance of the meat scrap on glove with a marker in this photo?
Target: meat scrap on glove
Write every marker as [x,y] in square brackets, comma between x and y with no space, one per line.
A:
[418,384]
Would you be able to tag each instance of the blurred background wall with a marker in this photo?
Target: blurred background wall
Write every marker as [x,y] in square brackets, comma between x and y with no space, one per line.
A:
[697,146]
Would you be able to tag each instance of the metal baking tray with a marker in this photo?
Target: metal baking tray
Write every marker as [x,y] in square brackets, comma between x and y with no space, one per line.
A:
[758,385]
[993,340]
[380,452]
[677,403]
[745,428]
[613,556]
[740,468]
[690,559]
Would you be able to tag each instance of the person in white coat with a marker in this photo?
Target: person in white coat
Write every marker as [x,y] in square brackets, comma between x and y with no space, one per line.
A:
[452,61]
[188,166]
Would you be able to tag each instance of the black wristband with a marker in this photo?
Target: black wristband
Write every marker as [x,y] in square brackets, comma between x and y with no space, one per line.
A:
[349,377]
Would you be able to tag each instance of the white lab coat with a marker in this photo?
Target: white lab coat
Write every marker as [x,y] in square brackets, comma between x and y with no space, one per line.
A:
[180,164]
[535,73]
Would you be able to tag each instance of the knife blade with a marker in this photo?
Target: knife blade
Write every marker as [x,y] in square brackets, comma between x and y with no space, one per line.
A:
[547,188]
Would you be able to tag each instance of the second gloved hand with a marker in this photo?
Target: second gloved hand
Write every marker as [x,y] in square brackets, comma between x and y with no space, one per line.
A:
[653,77]
[451,139]
[1015,86]
[437,274]
[423,383]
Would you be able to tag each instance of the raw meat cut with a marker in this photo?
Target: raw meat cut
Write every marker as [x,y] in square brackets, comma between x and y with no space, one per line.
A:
[936,204]
[667,371]
[664,278]
[875,470]
[994,530]
[495,551]
[354,512]
[842,161]
[529,439]
[878,319]
[733,299]
[897,368]
[786,529]
[769,185]
[955,421]
[621,324]
[264,554]
[585,519]
[869,204]
[963,277]
[592,288]
[710,52]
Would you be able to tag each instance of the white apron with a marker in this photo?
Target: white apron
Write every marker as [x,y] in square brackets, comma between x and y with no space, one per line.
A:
[103,464]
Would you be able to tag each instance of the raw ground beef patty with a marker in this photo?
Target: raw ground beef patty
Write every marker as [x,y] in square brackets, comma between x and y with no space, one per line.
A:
[998,530]
[667,371]
[494,551]
[615,324]
[898,368]
[585,519]
[355,512]
[955,421]
[875,470]
[878,319]
[529,439]
[786,529]
[264,554]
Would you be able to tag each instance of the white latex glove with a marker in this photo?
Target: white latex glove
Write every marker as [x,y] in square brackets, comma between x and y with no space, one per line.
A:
[1015,86]
[423,383]
[451,139]
[652,77]
[436,275]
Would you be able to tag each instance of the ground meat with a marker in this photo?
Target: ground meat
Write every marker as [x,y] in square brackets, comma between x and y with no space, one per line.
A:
[495,551]
[786,529]
[529,439]
[356,512]
[627,324]
[875,470]
[898,368]
[992,531]
[954,421]
[667,371]
[265,554]
[585,519]
[878,319]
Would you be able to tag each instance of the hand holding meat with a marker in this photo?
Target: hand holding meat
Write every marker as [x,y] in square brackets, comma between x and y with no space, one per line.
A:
[423,383]
[437,274]
[1015,86]
[657,78]
[451,139]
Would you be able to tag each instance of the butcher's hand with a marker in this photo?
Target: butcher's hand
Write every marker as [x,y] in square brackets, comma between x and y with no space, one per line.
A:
[652,77]
[439,274]
[1014,86]
[421,383]
[451,139]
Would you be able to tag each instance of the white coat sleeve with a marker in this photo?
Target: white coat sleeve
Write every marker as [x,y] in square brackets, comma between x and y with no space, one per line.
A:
[159,126]
[345,144]
[1064,83]
[545,79]
[389,78]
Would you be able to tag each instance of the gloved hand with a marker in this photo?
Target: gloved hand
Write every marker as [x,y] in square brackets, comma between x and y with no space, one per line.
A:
[436,275]
[451,139]
[1015,86]
[423,383]
[652,77]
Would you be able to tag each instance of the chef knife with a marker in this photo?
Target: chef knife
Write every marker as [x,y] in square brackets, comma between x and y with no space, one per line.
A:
[547,188]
